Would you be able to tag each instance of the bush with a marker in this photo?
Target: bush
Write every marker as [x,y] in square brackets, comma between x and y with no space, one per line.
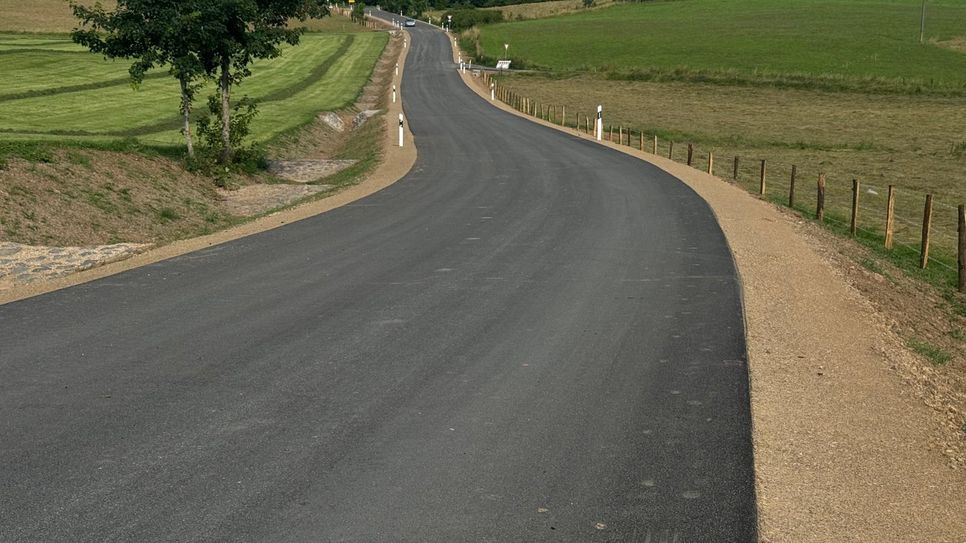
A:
[464,19]
[248,158]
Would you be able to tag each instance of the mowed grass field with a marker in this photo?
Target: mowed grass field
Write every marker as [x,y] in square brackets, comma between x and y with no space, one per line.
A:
[62,92]
[749,40]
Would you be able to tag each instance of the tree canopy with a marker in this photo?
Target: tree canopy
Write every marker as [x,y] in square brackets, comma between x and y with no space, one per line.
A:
[196,39]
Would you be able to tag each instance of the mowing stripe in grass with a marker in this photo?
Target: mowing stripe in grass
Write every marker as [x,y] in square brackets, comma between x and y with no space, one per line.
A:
[819,82]
[28,46]
[76,88]
[314,77]
[34,49]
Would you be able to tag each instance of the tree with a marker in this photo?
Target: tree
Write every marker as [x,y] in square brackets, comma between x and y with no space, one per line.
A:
[153,33]
[410,8]
[240,31]
[358,13]
[196,39]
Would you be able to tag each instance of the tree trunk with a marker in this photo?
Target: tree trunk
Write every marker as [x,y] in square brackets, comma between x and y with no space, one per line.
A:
[225,111]
[186,112]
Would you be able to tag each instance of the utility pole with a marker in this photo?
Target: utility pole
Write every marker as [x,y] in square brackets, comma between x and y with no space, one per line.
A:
[922,21]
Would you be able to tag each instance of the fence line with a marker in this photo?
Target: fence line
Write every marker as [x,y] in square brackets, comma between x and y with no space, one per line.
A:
[870,205]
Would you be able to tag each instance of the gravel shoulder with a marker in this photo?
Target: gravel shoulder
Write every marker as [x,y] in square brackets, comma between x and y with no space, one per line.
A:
[846,447]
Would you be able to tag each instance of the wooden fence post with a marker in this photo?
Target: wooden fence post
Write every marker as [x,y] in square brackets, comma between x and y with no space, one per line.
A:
[690,153]
[761,186]
[611,138]
[890,216]
[655,144]
[670,150]
[820,199]
[620,135]
[791,188]
[926,224]
[854,220]
[563,115]
[962,247]
[710,162]
[736,168]
[642,141]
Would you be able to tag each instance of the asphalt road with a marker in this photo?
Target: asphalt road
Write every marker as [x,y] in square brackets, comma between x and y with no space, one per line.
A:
[528,338]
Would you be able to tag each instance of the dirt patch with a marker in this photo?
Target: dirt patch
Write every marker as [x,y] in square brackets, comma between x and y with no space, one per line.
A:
[957,44]
[256,199]
[855,436]
[307,171]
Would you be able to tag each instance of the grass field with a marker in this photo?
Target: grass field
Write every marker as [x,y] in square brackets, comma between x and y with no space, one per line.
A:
[64,92]
[536,10]
[806,43]
[54,16]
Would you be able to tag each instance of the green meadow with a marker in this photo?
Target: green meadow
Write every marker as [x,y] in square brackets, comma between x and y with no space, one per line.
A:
[853,42]
[54,90]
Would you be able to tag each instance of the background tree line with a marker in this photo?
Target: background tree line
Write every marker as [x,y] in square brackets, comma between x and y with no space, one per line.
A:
[416,8]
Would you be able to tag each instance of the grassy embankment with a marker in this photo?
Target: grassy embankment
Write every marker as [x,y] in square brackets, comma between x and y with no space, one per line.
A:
[831,86]
[85,159]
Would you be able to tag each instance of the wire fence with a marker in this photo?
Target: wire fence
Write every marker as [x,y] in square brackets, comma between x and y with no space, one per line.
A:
[922,230]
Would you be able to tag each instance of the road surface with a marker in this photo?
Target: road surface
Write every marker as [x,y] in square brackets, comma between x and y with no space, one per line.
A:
[528,338]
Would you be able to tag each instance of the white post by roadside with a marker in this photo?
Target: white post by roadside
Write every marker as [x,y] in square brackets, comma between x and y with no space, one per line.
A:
[400,129]
[600,122]
[492,91]
[394,94]
[397,68]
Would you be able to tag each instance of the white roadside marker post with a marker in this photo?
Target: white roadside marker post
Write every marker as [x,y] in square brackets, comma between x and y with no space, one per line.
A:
[397,68]
[394,94]
[400,129]
[492,91]
[600,122]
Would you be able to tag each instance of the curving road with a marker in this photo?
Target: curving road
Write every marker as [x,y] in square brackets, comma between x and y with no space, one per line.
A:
[528,338]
